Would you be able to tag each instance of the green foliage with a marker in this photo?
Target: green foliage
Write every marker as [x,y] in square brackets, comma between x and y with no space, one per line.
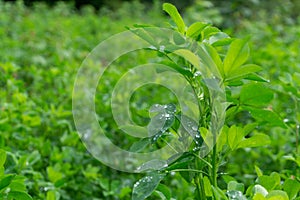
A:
[43,158]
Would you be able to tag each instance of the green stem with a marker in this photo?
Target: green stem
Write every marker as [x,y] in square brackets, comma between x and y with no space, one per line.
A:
[200,192]
[214,169]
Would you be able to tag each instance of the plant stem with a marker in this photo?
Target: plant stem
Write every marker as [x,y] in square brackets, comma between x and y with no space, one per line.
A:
[214,167]
[200,192]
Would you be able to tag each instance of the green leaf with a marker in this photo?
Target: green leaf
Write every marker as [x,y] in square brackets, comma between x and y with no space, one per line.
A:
[291,187]
[277,195]
[256,94]
[181,70]
[165,191]
[215,57]
[19,195]
[235,195]
[178,38]
[218,193]
[222,138]
[268,182]
[145,186]
[207,187]
[255,77]
[53,174]
[189,56]
[237,55]
[6,180]
[2,157]
[182,162]
[258,189]
[51,195]
[258,171]
[243,71]
[195,29]
[267,116]
[259,196]
[140,145]
[143,34]
[234,136]
[233,185]
[209,31]
[174,14]
[255,141]
[134,130]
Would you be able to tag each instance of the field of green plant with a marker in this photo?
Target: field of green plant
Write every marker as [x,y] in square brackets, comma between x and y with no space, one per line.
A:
[243,70]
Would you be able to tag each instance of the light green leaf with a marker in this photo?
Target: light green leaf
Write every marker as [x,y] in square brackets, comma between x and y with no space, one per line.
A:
[237,55]
[207,187]
[218,193]
[2,157]
[174,14]
[53,174]
[233,185]
[243,71]
[258,196]
[258,171]
[215,57]
[258,189]
[145,186]
[51,195]
[143,34]
[277,195]
[195,29]
[209,31]
[189,56]
[255,141]
[222,138]
[234,136]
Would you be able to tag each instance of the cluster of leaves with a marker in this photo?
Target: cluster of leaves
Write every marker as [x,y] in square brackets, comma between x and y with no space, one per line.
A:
[245,94]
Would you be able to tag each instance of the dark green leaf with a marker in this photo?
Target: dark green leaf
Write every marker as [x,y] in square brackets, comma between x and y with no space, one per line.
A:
[256,94]
[19,195]
[291,187]
[140,145]
[6,180]
[145,186]
[165,190]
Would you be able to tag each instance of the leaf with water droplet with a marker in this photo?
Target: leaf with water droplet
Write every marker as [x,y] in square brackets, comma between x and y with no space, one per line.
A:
[140,145]
[235,195]
[145,186]
[161,122]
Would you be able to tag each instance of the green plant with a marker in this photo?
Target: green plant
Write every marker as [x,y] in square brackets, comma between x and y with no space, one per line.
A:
[210,61]
[12,186]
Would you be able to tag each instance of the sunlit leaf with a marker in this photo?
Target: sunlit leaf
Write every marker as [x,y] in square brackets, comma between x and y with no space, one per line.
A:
[174,14]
